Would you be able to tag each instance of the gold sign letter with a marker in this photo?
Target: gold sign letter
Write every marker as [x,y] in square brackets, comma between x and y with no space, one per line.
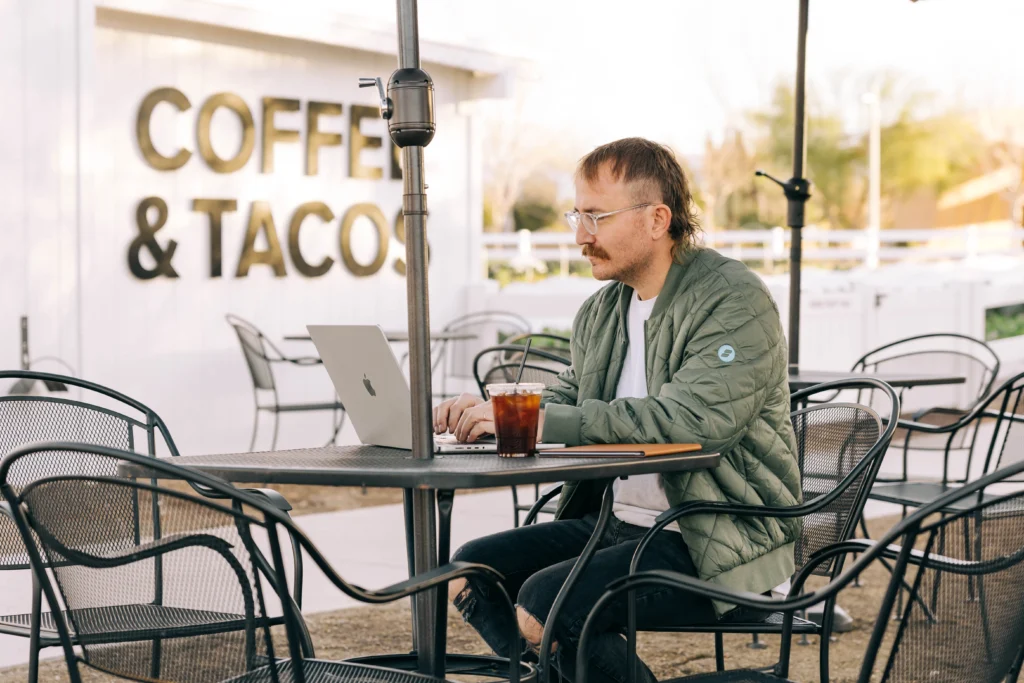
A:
[215,209]
[149,153]
[260,219]
[357,142]
[323,212]
[315,138]
[379,222]
[272,134]
[237,105]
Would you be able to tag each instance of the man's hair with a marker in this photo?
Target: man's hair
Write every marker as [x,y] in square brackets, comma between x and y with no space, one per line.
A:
[655,175]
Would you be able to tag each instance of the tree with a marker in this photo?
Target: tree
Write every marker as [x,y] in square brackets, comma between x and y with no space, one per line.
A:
[923,147]
[727,168]
[834,165]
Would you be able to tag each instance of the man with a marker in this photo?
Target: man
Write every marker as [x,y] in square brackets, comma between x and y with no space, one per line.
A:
[684,346]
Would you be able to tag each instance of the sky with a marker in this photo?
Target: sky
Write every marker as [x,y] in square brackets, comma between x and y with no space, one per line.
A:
[680,70]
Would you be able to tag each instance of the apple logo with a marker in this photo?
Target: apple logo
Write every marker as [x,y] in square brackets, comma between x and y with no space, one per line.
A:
[368,385]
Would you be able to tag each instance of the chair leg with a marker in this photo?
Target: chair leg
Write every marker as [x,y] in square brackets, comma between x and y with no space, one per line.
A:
[719,653]
[277,421]
[755,642]
[338,422]
[255,429]
[515,508]
[34,627]
[864,530]
[827,619]
[1014,672]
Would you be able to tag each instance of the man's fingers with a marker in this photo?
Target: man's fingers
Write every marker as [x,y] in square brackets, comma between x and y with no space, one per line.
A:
[463,425]
[455,416]
[480,428]
[459,408]
[441,416]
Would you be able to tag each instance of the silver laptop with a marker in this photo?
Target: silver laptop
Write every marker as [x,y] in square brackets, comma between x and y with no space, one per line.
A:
[370,384]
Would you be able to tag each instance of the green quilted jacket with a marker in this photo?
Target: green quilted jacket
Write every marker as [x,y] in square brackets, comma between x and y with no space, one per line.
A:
[717,376]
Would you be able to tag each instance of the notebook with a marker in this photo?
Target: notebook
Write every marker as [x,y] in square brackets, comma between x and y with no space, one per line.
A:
[621,450]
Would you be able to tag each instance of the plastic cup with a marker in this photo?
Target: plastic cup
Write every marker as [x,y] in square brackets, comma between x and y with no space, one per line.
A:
[516,411]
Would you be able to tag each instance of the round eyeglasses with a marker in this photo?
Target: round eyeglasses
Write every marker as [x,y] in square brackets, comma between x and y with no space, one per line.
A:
[589,220]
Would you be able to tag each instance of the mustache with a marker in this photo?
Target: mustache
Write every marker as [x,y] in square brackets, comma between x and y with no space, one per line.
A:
[593,250]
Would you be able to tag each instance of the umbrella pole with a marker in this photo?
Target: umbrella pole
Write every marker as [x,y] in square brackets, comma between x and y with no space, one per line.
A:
[797,190]
[408,107]
[797,193]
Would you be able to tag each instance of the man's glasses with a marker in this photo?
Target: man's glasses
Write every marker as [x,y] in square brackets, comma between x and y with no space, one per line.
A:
[589,220]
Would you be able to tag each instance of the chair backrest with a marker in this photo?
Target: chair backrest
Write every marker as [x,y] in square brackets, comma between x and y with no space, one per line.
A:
[840,446]
[204,620]
[455,357]
[255,351]
[1001,424]
[500,364]
[542,341]
[938,353]
[26,419]
[964,617]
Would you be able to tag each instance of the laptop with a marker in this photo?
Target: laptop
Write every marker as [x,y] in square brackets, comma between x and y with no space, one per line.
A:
[370,383]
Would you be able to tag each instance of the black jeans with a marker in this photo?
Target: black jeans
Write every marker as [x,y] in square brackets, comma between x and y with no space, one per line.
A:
[535,561]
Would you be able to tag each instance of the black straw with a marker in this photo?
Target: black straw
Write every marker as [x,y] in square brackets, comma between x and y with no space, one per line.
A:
[522,363]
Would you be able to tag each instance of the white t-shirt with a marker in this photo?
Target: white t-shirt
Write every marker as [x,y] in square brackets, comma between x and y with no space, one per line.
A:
[640,499]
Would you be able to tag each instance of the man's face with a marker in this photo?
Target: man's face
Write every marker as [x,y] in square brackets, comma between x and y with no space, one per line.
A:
[622,245]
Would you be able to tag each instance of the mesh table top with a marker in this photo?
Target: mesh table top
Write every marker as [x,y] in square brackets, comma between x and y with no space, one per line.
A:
[390,467]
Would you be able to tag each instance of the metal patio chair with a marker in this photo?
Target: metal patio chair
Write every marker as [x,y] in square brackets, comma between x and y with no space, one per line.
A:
[839,448]
[211,559]
[260,356]
[999,419]
[453,359]
[500,364]
[974,629]
[970,357]
[109,419]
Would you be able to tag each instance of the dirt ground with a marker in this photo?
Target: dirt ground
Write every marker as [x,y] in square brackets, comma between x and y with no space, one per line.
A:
[378,629]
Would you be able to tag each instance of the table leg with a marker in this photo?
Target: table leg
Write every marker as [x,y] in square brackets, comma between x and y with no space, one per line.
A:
[581,563]
[424,603]
[445,499]
[410,552]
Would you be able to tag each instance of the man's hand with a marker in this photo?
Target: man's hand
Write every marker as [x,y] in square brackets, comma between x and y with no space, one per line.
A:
[448,413]
[475,422]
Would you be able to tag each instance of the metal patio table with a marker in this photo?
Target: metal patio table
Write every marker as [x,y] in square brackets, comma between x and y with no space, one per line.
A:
[803,379]
[396,468]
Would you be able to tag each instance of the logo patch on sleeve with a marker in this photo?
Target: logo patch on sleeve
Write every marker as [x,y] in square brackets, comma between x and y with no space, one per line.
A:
[726,353]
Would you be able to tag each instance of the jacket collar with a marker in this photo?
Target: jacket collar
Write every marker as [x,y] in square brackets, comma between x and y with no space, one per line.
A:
[668,291]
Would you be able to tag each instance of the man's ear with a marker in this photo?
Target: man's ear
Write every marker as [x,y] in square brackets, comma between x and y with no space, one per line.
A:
[662,220]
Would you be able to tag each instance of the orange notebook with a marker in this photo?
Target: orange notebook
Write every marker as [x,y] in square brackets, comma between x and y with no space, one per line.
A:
[620,450]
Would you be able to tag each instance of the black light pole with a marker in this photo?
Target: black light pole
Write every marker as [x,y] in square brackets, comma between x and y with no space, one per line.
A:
[408,107]
[797,190]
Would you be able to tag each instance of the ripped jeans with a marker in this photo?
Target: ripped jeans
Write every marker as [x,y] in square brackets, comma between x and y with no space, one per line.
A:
[535,561]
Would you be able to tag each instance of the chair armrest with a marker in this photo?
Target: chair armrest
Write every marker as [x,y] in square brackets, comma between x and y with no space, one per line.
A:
[435,577]
[273,497]
[269,496]
[542,500]
[302,361]
[925,412]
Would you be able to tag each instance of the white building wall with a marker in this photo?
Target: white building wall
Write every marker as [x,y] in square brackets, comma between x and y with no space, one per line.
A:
[72,176]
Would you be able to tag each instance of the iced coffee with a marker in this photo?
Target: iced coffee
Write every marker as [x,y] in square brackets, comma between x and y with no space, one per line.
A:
[516,410]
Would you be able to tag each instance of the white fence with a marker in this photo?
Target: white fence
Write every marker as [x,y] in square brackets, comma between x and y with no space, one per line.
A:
[525,250]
